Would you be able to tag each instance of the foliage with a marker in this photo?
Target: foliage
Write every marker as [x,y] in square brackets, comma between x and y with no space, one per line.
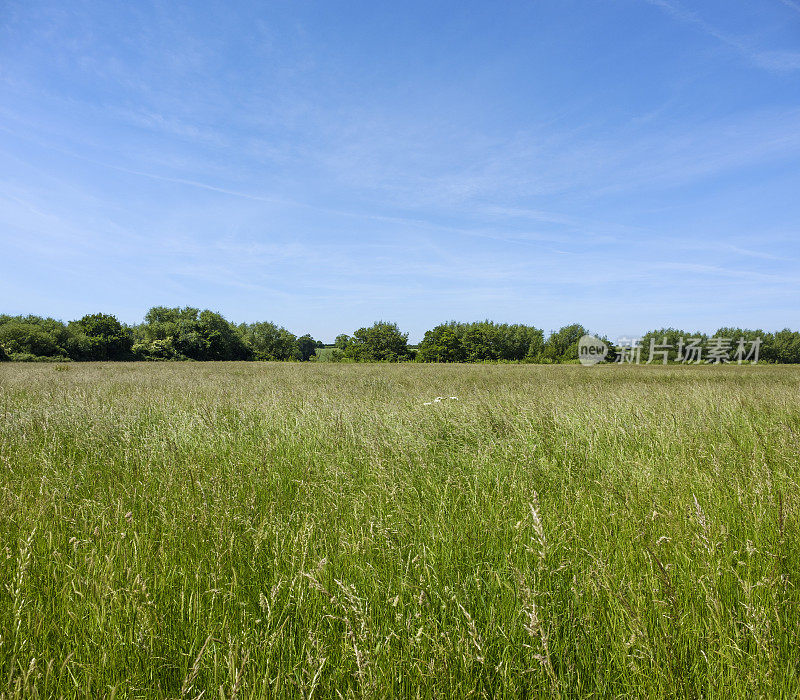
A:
[269,342]
[101,337]
[443,343]
[220,340]
[329,354]
[28,337]
[28,357]
[480,341]
[306,347]
[188,333]
[174,333]
[48,338]
[783,347]
[381,342]
[665,340]
[562,345]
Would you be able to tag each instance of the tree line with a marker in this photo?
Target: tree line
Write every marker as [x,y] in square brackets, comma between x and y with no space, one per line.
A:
[191,334]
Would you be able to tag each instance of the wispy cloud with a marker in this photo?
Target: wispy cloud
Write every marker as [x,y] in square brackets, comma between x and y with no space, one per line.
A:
[769,59]
[790,3]
[288,162]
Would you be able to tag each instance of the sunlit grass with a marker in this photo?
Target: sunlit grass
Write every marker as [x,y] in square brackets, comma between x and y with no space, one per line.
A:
[287,530]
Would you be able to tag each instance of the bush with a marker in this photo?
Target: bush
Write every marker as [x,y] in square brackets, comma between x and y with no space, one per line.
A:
[28,339]
[29,357]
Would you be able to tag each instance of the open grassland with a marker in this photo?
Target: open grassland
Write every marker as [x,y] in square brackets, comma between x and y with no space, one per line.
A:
[285,530]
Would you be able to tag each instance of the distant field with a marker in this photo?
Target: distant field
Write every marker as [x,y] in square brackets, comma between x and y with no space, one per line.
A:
[324,354]
[294,530]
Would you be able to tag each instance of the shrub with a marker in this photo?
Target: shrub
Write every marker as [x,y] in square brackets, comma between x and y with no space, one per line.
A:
[28,339]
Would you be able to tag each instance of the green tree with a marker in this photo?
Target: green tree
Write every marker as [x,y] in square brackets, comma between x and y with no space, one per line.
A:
[663,339]
[189,334]
[269,342]
[442,344]
[480,341]
[156,350]
[562,345]
[46,337]
[784,347]
[522,342]
[766,345]
[306,347]
[381,342]
[219,338]
[105,338]
[28,338]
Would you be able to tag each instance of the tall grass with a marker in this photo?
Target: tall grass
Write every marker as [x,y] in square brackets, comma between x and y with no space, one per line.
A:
[284,530]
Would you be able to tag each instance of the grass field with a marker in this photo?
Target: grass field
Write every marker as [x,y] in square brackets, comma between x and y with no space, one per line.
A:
[285,530]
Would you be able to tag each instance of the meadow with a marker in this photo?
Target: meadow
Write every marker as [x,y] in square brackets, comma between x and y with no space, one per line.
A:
[248,530]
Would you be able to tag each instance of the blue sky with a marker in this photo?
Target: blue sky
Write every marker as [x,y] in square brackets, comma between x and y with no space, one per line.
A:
[626,164]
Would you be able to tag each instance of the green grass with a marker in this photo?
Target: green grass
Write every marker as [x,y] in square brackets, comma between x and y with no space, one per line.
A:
[286,530]
[324,354]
